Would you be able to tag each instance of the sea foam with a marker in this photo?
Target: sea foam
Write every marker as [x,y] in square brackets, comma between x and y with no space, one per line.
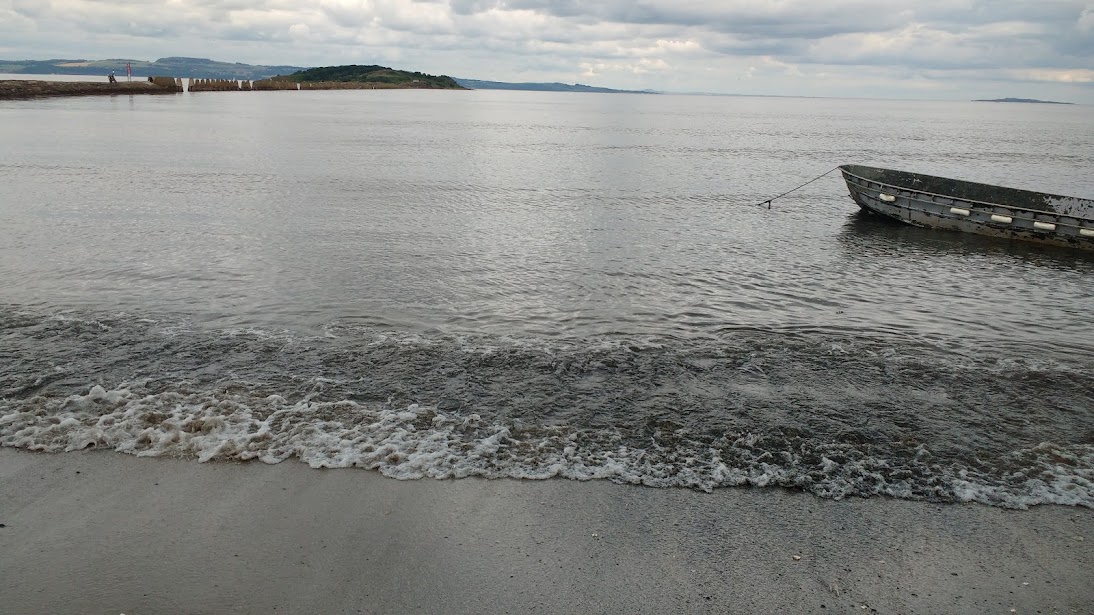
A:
[419,441]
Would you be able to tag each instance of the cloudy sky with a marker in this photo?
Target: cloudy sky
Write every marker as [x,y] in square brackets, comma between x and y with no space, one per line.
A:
[942,49]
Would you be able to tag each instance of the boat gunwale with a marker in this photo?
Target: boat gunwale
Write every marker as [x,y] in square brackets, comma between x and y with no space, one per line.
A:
[843,169]
[1013,214]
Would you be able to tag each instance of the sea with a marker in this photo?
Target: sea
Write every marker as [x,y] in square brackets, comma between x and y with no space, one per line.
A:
[534,285]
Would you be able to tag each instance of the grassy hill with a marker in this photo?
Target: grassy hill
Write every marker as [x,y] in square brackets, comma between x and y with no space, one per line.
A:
[204,68]
[201,68]
[198,68]
[373,74]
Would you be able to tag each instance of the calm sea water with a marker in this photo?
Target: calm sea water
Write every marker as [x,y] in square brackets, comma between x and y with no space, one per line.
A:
[512,284]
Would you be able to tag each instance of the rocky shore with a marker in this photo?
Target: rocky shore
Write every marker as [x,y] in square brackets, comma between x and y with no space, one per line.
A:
[15,89]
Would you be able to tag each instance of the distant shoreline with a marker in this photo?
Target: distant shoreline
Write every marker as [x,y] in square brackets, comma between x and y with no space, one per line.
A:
[1022,100]
[24,89]
[479,84]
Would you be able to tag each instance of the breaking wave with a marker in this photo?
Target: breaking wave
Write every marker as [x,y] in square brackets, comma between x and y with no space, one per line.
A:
[833,415]
[422,442]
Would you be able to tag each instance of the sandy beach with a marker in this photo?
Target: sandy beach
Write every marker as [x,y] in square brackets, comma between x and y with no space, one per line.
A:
[100,532]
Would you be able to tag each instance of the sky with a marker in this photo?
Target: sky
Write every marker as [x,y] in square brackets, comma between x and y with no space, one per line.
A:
[921,49]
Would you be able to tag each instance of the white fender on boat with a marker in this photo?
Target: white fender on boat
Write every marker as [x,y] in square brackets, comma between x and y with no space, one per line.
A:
[1044,226]
[1003,219]
[959,211]
[1086,232]
[888,198]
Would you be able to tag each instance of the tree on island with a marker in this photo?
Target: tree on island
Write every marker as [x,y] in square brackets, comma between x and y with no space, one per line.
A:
[354,73]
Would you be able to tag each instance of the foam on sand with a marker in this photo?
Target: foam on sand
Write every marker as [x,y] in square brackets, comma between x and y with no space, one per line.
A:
[418,441]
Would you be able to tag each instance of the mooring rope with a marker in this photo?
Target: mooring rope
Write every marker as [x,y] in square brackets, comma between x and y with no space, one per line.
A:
[768,201]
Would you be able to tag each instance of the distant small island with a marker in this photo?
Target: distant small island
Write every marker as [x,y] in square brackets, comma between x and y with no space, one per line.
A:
[371,75]
[1023,100]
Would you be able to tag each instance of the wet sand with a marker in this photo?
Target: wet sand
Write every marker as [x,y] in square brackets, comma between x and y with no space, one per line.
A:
[101,532]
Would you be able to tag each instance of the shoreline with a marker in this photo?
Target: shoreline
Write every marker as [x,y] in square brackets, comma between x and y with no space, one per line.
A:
[17,89]
[26,89]
[101,531]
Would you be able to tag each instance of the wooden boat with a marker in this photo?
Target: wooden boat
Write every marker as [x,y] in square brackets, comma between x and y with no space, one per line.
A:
[953,204]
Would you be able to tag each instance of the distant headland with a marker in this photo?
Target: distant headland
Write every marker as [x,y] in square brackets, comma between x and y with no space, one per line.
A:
[1023,100]
[368,76]
[197,68]
[478,84]
[352,77]
[205,69]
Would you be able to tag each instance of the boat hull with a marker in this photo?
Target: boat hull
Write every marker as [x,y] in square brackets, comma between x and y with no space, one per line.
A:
[955,205]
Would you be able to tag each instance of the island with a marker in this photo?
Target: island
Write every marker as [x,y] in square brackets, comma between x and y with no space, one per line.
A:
[1022,100]
[366,77]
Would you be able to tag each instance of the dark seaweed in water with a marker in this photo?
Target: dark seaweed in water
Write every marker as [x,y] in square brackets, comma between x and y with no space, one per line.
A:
[829,413]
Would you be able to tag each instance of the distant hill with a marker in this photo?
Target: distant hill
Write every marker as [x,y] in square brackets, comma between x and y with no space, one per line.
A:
[477,84]
[202,68]
[373,74]
[1023,100]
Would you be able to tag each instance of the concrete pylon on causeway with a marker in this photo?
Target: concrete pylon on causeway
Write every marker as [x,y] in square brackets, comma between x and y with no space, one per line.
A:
[167,83]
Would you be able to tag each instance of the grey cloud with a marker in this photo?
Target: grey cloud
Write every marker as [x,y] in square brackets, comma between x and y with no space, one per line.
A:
[740,17]
[30,8]
[471,7]
[559,37]
[787,25]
